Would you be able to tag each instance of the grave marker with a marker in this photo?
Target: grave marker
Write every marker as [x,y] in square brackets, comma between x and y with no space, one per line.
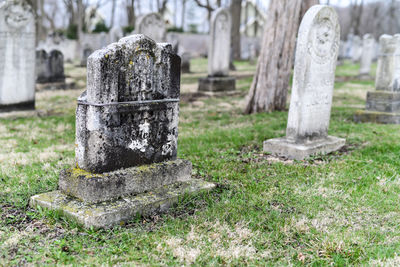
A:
[313,81]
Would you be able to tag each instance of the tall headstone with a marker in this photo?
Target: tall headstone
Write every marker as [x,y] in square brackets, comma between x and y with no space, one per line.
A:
[313,81]
[185,65]
[50,67]
[126,138]
[219,54]
[356,49]
[368,47]
[383,104]
[152,25]
[87,51]
[17,53]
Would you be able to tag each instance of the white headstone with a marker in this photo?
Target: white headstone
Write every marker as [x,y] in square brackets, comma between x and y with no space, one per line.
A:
[220,43]
[356,49]
[314,74]
[152,25]
[312,90]
[368,47]
[384,71]
[17,53]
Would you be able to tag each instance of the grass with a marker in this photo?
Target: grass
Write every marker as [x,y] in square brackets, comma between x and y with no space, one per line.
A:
[340,209]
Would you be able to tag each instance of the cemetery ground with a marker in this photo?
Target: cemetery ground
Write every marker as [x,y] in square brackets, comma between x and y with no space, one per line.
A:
[342,208]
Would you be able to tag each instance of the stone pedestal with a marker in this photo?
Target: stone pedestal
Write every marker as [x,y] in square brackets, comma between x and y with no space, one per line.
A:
[292,150]
[382,107]
[217,84]
[107,199]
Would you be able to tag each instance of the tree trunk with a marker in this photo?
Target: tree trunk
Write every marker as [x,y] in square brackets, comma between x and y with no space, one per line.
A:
[236,10]
[130,8]
[114,3]
[183,14]
[269,89]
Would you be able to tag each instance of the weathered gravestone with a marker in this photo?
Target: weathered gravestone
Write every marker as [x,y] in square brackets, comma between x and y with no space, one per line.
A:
[17,53]
[219,54]
[185,65]
[152,25]
[50,69]
[87,51]
[126,138]
[383,104]
[368,47]
[313,81]
[356,49]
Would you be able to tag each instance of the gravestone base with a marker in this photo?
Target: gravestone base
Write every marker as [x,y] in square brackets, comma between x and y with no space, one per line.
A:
[103,200]
[377,117]
[381,107]
[364,77]
[29,105]
[289,149]
[118,212]
[217,84]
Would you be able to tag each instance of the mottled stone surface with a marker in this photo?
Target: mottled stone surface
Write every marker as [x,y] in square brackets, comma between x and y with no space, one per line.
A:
[49,67]
[220,43]
[152,25]
[129,114]
[117,212]
[313,81]
[368,49]
[17,53]
[127,118]
[384,71]
[94,188]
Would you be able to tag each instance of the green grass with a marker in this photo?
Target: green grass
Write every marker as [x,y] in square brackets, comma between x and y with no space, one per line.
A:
[340,209]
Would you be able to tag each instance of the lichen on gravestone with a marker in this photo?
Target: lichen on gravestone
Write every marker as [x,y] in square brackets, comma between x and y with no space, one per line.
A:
[128,116]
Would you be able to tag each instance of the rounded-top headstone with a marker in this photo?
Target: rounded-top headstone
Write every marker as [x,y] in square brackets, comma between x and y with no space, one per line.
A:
[314,74]
[152,25]
[220,43]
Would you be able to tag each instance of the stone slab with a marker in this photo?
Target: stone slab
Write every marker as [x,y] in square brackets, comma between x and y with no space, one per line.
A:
[383,101]
[377,117]
[217,84]
[54,86]
[284,147]
[93,188]
[117,212]
[29,105]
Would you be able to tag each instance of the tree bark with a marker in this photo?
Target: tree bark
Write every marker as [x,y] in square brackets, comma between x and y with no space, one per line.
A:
[236,10]
[270,85]
[114,3]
